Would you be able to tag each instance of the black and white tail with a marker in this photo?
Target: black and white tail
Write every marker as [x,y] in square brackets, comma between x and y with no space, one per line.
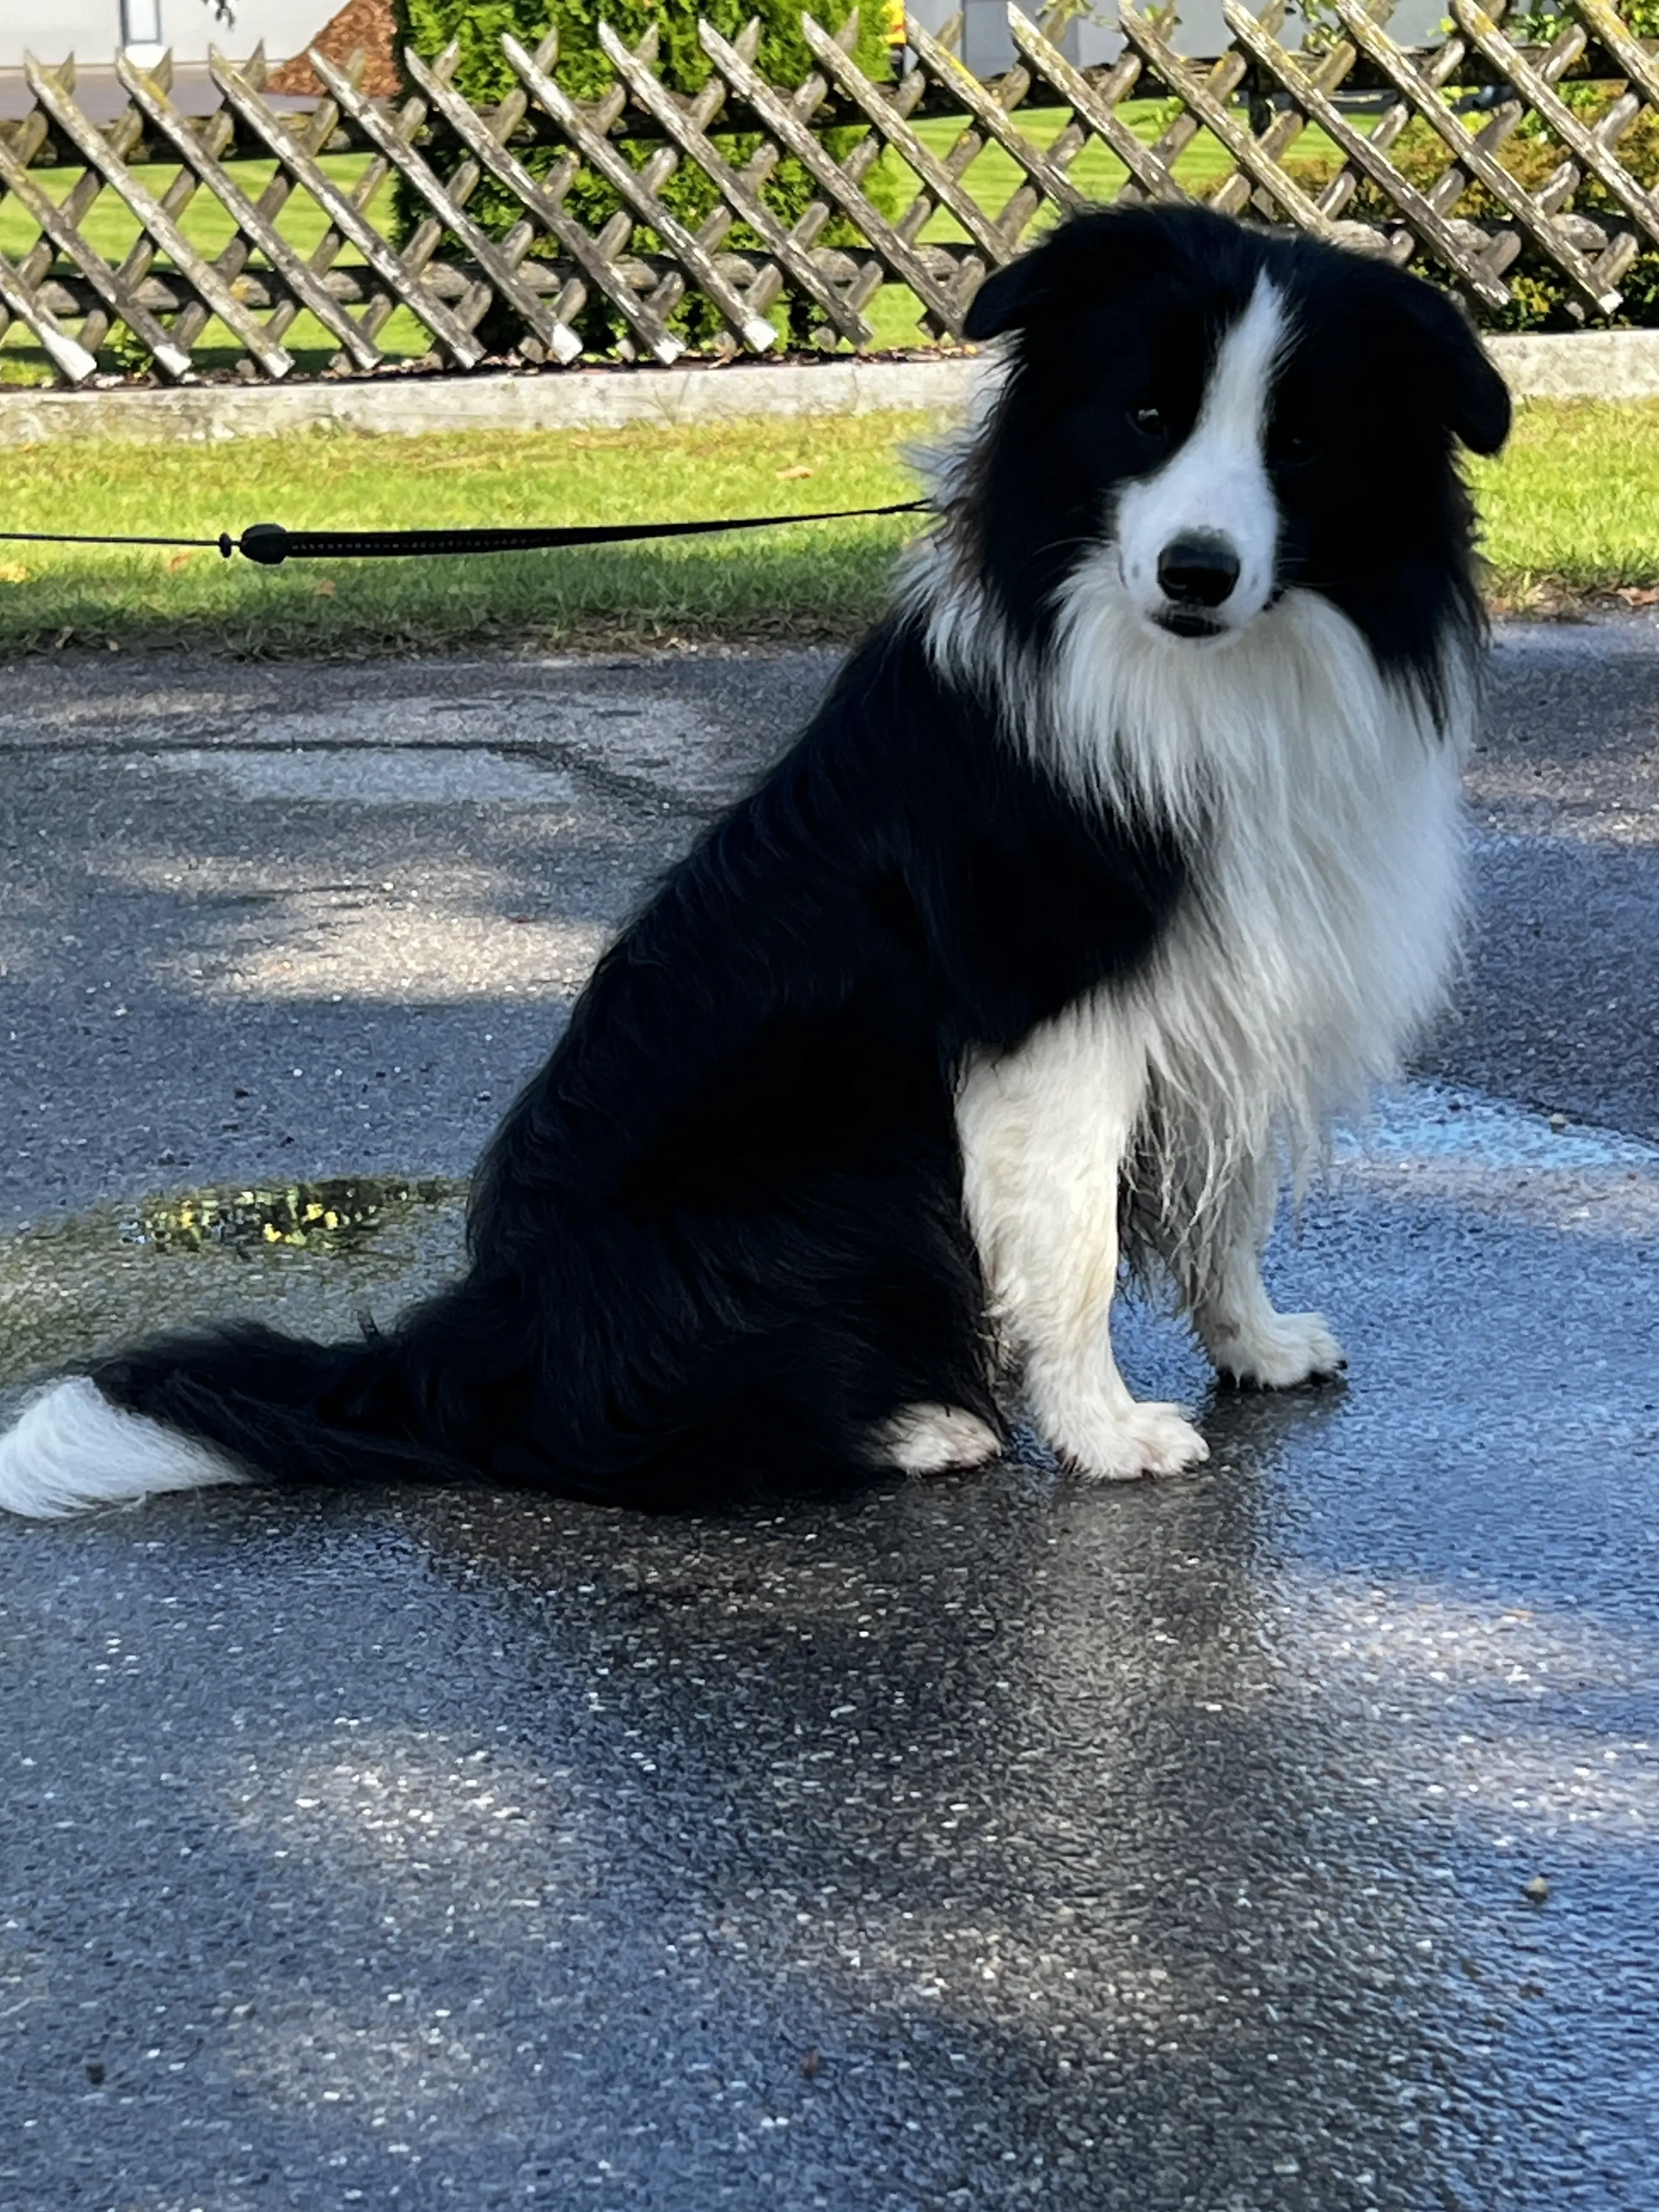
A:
[72,1449]
[243,1404]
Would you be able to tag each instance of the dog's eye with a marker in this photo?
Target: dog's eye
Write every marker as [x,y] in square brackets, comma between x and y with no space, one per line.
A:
[1293,449]
[1148,421]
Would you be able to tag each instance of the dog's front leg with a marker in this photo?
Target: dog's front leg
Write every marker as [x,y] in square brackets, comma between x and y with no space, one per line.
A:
[1250,1342]
[1044,1130]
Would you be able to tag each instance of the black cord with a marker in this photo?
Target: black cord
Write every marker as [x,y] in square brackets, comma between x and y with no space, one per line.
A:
[223,543]
[269,543]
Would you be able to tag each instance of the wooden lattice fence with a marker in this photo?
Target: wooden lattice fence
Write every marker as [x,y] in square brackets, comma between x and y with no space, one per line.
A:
[548,288]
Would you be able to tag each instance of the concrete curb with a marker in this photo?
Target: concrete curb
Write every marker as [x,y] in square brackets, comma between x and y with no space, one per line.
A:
[585,399]
[1579,365]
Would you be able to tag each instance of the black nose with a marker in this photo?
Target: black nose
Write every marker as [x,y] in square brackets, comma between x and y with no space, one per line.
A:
[1197,569]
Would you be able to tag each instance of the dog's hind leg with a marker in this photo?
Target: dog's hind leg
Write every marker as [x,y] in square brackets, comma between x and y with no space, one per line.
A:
[1249,1341]
[935,1440]
[1044,1132]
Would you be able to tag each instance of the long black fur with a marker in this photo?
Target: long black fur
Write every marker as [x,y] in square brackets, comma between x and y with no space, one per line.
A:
[720,1236]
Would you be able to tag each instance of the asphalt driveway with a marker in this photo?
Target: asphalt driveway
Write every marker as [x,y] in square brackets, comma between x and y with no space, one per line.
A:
[1282,1836]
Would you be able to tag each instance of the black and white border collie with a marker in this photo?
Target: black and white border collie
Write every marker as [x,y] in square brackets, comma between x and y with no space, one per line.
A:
[1121,855]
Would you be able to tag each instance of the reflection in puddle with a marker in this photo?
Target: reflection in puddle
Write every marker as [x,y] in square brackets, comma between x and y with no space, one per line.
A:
[311,1258]
[317,1216]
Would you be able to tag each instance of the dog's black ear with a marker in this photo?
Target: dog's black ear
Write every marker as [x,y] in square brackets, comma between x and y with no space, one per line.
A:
[1474,399]
[1082,261]
[1003,299]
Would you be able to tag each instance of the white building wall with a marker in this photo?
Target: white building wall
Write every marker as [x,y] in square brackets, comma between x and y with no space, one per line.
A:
[92,30]
[1091,39]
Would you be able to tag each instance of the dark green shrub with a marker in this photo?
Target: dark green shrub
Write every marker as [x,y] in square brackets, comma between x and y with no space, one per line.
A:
[482,76]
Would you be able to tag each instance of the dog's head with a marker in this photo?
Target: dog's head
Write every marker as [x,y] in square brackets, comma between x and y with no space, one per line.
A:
[1221,416]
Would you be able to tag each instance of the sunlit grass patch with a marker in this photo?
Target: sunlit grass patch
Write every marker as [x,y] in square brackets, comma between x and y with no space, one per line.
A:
[1570,512]
[1572,509]
[822,580]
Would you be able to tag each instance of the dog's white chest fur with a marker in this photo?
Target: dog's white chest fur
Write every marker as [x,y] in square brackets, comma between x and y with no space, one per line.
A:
[1320,808]
[1321,811]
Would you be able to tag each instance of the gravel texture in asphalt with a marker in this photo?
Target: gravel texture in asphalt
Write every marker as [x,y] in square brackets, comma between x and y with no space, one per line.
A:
[1282,1836]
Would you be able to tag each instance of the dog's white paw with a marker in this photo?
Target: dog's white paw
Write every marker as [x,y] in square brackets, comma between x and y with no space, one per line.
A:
[936,1440]
[1127,1441]
[1292,1349]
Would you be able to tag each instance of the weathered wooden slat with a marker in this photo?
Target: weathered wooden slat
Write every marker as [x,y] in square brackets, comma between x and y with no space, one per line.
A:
[745,202]
[947,69]
[217,132]
[784,125]
[465,180]
[341,213]
[123,135]
[854,279]
[1430,226]
[1010,91]
[1145,34]
[1143,165]
[1232,196]
[1591,151]
[647,261]
[156,219]
[117,297]
[1221,81]
[623,180]
[143,255]
[288,264]
[1440,71]
[804,103]
[840,70]
[66,354]
[909,96]
[484,142]
[655,173]
[743,268]
[1639,62]
[543,203]
[398,127]
[315,133]
[453,218]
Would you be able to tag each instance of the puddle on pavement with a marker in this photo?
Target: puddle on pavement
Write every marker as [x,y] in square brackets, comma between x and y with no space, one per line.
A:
[1442,1145]
[309,1257]
[1443,1121]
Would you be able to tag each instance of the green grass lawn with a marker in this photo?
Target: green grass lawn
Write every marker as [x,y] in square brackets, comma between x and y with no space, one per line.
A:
[820,581]
[1571,512]
[1572,509]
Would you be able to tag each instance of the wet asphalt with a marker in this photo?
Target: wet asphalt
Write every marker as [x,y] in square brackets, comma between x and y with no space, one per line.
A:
[1282,1836]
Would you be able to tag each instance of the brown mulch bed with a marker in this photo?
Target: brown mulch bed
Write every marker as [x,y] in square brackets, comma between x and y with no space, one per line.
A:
[366,23]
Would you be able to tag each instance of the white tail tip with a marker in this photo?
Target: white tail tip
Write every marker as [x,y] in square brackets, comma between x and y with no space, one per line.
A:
[72,1449]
